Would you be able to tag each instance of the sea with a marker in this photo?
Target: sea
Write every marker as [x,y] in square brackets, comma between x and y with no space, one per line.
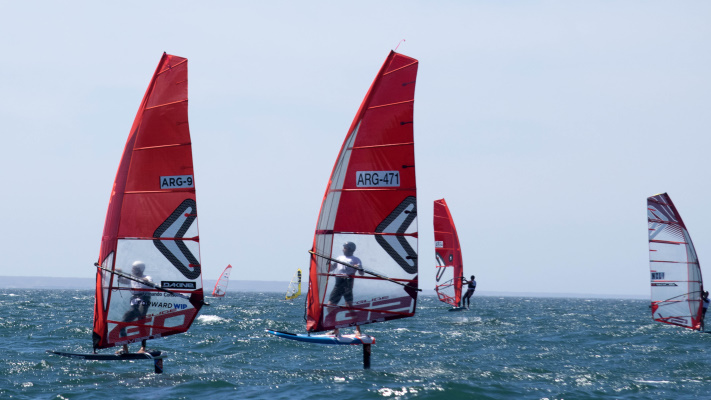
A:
[502,348]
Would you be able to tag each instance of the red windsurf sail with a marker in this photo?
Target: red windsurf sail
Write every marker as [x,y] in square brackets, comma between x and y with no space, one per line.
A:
[221,286]
[448,253]
[675,272]
[370,205]
[149,281]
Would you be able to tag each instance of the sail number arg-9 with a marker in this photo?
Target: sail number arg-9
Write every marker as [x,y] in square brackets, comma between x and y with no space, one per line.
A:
[177,182]
[377,178]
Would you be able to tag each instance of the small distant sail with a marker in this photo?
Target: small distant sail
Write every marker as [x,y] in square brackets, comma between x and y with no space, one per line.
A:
[370,205]
[448,254]
[149,280]
[221,286]
[675,272]
[294,289]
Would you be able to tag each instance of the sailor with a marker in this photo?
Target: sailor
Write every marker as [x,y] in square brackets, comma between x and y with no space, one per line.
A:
[139,303]
[345,277]
[705,306]
[471,287]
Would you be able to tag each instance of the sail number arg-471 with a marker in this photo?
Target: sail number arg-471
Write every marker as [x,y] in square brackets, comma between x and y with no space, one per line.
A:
[377,178]
[177,182]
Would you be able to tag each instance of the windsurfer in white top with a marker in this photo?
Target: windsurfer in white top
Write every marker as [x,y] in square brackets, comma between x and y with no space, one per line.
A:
[139,303]
[344,279]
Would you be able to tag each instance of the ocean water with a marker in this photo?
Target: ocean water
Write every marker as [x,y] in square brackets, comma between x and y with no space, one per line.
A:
[503,348]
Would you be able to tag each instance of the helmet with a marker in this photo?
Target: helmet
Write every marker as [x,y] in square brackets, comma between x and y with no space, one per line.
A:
[138,267]
[350,246]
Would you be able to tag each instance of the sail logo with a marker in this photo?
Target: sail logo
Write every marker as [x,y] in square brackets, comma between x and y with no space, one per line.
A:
[177,182]
[377,310]
[176,306]
[177,285]
[657,276]
[169,239]
[377,178]
[439,244]
[395,242]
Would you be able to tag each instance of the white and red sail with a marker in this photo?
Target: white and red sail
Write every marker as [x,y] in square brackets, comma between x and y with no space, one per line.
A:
[448,254]
[675,272]
[370,201]
[152,218]
[221,286]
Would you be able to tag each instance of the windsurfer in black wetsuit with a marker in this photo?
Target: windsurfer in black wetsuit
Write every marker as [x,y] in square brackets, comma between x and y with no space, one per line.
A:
[471,287]
[705,305]
[139,303]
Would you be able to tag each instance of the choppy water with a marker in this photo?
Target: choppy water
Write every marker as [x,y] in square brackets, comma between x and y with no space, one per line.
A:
[505,347]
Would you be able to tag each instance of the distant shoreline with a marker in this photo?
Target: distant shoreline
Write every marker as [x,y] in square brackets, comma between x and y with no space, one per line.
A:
[34,282]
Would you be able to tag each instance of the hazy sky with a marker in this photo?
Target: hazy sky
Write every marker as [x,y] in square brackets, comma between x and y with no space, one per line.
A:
[544,124]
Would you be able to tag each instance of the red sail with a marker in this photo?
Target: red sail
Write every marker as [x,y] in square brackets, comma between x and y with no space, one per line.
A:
[448,253]
[150,231]
[370,202]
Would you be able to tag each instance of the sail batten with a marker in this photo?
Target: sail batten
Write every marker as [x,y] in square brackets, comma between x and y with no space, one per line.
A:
[166,104]
[162,146]
[370,204]
[391,104]
[676,282]
[150,245]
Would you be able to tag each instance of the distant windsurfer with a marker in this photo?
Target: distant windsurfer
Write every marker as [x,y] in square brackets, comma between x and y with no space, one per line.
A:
[344,279]
[471,287]
[705,305]
[140,300]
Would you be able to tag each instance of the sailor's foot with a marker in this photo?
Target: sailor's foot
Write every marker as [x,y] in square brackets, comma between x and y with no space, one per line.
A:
[358,332]
[123,351]
[334,332]
[141,350]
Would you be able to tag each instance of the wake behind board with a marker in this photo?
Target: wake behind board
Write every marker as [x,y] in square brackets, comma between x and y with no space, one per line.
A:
[325,339]
[150,355]
[458,309]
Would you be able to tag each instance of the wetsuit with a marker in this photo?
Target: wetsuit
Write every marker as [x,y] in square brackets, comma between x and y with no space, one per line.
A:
[471,286]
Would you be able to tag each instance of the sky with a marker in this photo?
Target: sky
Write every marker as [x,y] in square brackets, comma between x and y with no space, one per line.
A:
[544,124]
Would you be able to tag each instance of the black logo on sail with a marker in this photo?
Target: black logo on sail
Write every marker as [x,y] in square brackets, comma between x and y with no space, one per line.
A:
[177,285]
[175,227]
[396,245]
